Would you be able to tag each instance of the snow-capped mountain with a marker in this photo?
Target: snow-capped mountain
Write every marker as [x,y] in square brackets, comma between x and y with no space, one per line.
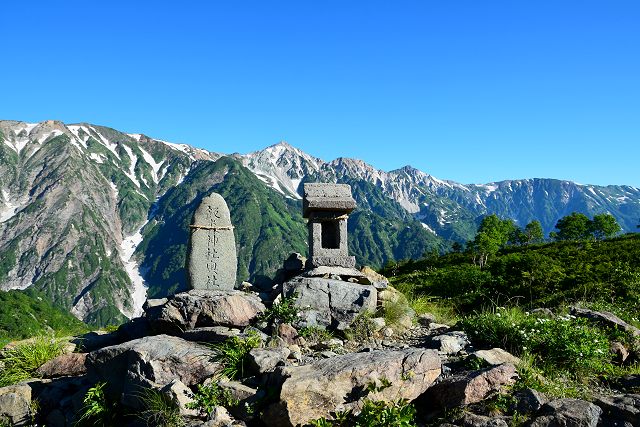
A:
[97,218]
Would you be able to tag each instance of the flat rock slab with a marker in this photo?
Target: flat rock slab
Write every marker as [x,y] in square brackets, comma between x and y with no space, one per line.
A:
[152,361]
[330,303]
[496,356]
[211,258]
[340,383]
[327,197]
[72,364]
[204,308]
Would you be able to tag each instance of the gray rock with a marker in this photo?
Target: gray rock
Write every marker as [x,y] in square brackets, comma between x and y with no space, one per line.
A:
[567,413]
[378,323]
[450,343]
[376,279]
[150,362]
[621,407]
[605,318]
[496,356]
[211,258]
[629,382]
[471,387]
[339,383]
[203,308]
[473,420]
[181,395]
[263,360]
[15,404]
[528,401]
[326,302]
[95,340]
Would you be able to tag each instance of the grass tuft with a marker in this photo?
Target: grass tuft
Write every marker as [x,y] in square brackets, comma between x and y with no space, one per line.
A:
[21,362]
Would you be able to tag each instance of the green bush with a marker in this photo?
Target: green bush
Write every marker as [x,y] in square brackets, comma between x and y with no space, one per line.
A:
[21,362]
[284,312]
[315,334]
[207,397]
[561,343]
[232,354]
[97,410]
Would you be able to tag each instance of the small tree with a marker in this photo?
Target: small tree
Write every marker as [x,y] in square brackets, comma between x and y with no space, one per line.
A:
[604,226]
[575,226]
[533,232]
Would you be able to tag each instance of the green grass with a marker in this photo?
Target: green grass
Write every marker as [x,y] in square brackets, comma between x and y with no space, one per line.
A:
[21,362]
[232,354]
[315,334]
[159,409]
[206,398]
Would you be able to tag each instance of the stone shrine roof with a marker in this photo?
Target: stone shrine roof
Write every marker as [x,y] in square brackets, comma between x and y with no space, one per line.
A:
[327,198]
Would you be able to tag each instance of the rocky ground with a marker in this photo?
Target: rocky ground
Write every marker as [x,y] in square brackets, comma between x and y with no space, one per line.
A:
[290,373]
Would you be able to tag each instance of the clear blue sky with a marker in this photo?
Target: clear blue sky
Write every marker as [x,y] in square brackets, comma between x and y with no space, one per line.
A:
[473,91]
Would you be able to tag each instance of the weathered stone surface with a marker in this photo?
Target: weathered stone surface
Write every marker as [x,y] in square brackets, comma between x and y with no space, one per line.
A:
[338,383]
[333,261]
[629,383]
[71,364]
[345,274]
[287,332]
[472,387]
[181,395]
[450,343]
[211,258]
[211,334]
[605,318]
[621,407]
[567,413]
[151,361]
[620,352]
[496,356]
[95,340]
[327,197]
[203,308]
[263,360]
[326,302]
[376,279]
[15,404]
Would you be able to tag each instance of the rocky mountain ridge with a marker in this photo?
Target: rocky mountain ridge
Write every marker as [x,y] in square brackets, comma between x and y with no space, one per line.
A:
[96,218]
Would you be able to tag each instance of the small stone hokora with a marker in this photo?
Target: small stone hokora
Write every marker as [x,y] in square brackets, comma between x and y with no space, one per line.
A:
[211,258]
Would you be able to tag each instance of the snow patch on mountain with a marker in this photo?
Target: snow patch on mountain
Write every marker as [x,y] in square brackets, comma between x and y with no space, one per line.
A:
[131,174]
[9,209]
[429,229]
[139,286]
[155,166]
[108,144]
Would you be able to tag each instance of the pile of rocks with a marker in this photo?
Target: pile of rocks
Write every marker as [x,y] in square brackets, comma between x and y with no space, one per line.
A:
[296,373]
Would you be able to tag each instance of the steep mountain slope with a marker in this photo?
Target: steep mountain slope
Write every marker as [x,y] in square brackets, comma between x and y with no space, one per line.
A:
[91,216]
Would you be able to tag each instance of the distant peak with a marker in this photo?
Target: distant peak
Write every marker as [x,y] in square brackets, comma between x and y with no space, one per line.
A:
[283,143]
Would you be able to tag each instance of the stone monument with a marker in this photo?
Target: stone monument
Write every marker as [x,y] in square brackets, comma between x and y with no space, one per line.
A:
[211,258]
[327,207]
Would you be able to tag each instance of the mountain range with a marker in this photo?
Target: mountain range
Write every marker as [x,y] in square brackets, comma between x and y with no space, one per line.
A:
[97,220]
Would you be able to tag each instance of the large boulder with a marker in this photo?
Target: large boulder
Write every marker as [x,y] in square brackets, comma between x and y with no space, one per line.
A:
[328,302]
[202,308]
[624,407]
[15,404]
[470,387]
[341,383]
[605,318]
[567,413]
[150,362]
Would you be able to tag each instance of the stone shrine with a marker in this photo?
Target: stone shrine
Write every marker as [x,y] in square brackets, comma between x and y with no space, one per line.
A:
[211,256]
[327,207]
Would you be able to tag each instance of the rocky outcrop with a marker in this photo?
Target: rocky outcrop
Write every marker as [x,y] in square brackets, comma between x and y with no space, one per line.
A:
[202,308]
[621,407]
[329,302]
[150,362]
[340,383]
[71,364]
[605,318]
